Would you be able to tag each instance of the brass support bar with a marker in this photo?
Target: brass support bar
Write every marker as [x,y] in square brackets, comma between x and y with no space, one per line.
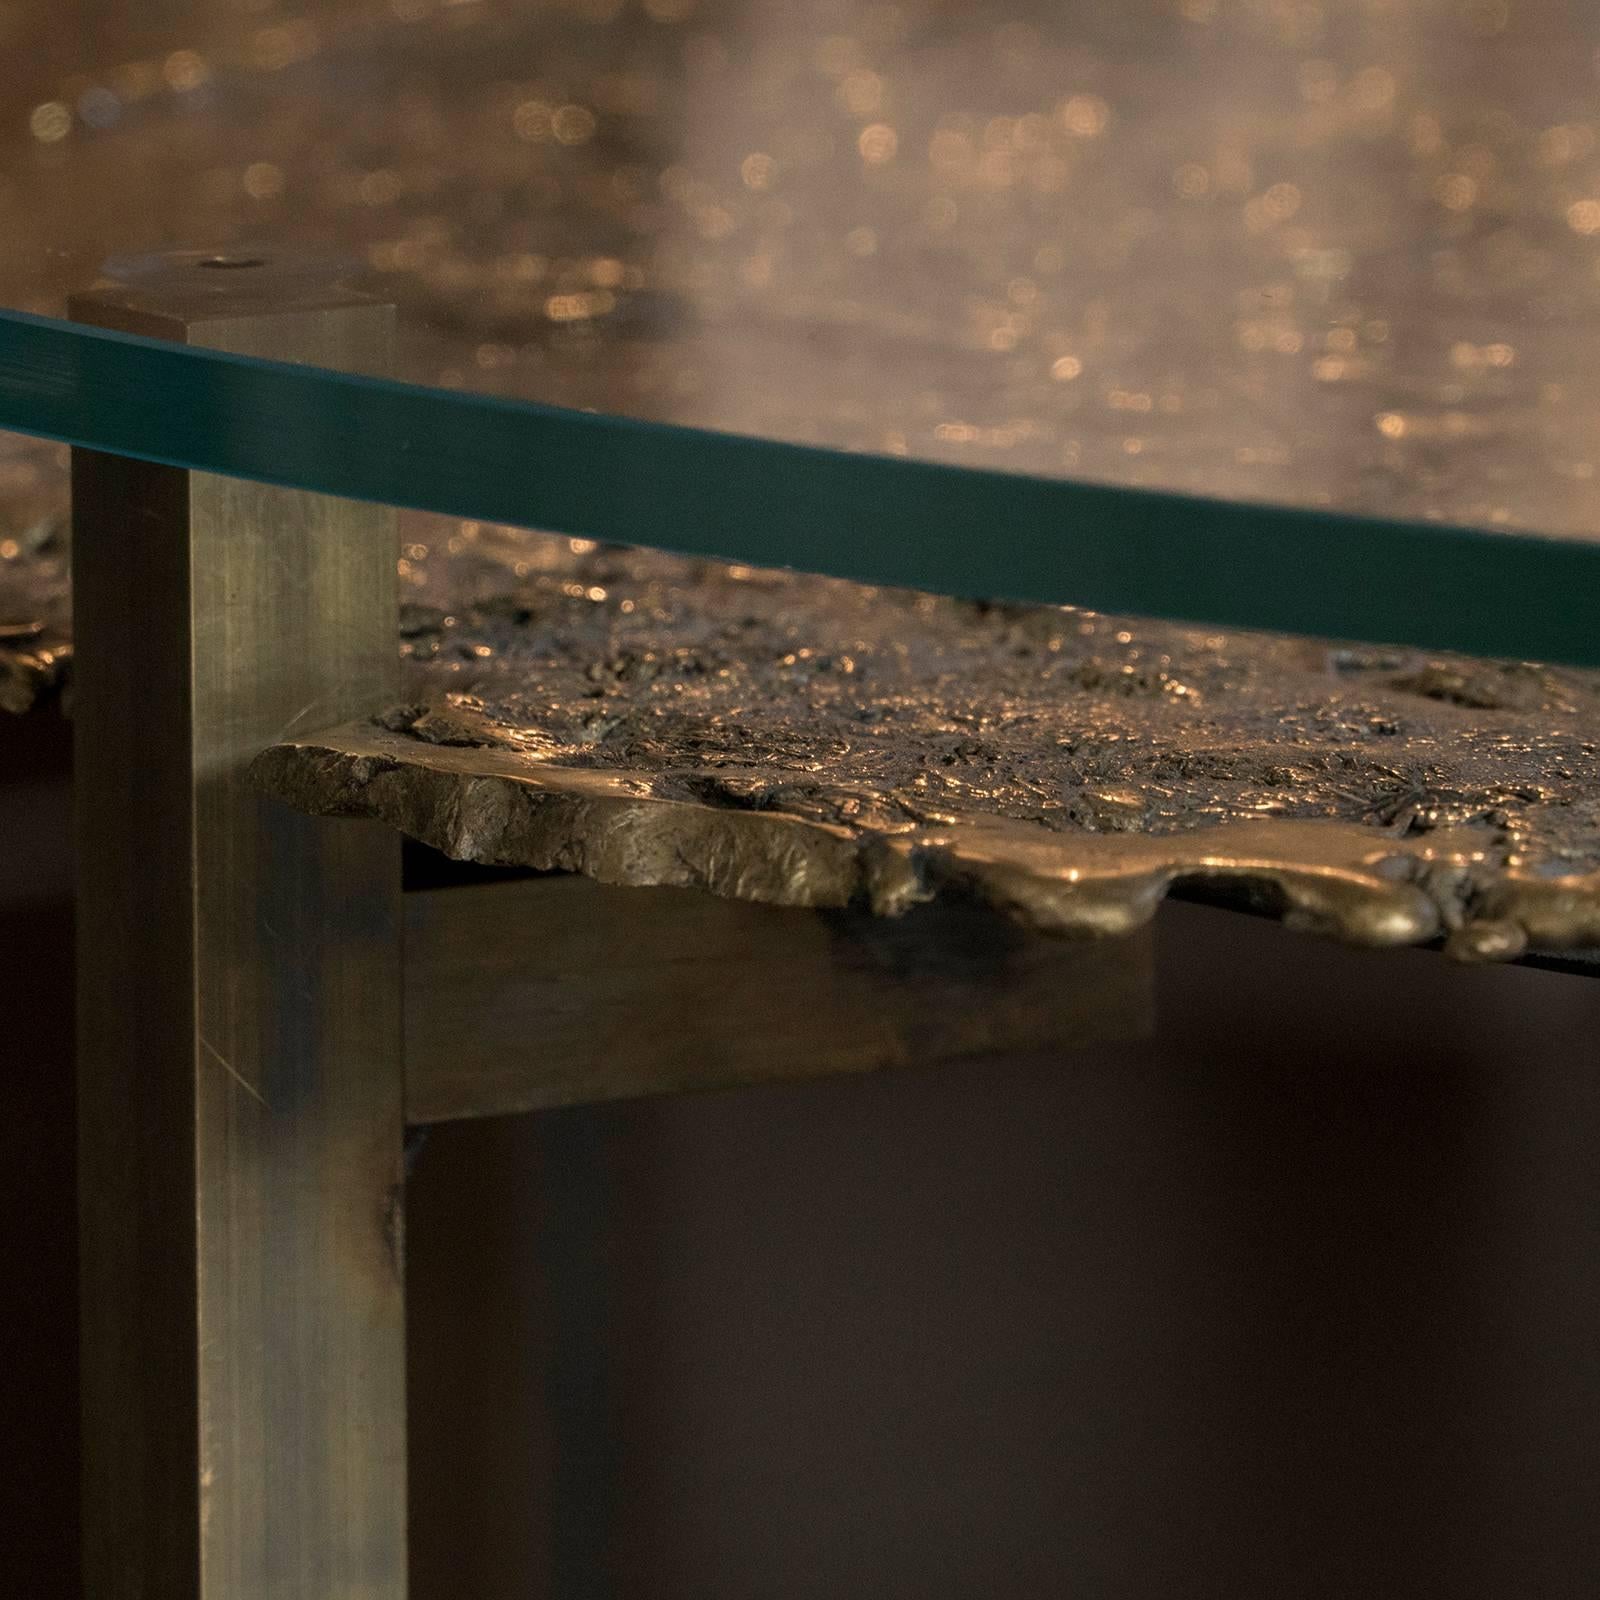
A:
[239,1012]
[556,991]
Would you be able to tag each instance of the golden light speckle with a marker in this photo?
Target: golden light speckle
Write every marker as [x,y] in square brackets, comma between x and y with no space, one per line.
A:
[579,307]
[878,144]
[1372,89]
[1281,201]
[1583,216]
[1085,116]
[185,70]
[394,255]
[273,49]
[573,124]
[714,222]
[1390,424]
[263,180]
[136,80]
[1468,356]
[861,93]
[1455,191]
[51,122]
[532,121]
[758,170]
[1566,142]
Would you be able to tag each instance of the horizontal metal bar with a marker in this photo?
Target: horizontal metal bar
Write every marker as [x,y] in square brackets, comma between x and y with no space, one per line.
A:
[954,530]
[551,991]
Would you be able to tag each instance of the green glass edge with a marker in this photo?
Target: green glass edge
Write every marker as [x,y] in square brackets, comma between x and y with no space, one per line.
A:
[953,530]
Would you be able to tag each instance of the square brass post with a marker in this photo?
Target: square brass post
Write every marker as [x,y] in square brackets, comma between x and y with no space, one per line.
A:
[239,1013]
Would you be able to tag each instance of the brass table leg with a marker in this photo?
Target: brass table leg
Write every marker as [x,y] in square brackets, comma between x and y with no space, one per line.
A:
[239,1014]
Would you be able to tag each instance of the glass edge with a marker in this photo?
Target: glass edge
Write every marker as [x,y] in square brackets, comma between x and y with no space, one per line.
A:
[970,532]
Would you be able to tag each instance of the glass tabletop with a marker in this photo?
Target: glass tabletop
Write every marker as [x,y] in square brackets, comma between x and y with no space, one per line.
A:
[1272,253]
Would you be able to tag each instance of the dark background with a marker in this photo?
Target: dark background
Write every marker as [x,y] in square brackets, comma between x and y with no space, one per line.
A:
[1299,1298]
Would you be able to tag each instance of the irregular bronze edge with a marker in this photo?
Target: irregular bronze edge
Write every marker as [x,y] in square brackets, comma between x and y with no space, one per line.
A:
[1357,884]
[459,803]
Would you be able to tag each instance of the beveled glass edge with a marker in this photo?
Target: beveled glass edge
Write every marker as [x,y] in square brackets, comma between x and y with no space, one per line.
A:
[961,531]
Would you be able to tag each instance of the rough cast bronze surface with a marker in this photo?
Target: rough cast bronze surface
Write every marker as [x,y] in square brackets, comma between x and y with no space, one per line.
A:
[651,720]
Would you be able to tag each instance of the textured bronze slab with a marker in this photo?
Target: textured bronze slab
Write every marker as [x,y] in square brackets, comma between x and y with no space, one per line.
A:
[651,720]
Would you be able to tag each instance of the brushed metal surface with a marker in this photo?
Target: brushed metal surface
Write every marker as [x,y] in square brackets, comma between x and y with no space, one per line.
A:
[239,1014]
[541,992]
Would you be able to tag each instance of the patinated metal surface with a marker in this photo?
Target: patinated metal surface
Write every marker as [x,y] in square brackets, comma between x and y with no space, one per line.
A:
[240,1094]
[527,993]
[647,719]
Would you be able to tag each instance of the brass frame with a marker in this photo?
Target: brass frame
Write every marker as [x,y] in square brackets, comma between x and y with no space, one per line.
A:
[240,1099]
[245,971]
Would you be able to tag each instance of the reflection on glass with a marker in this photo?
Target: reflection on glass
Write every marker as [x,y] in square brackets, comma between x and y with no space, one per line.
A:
[1329,254]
